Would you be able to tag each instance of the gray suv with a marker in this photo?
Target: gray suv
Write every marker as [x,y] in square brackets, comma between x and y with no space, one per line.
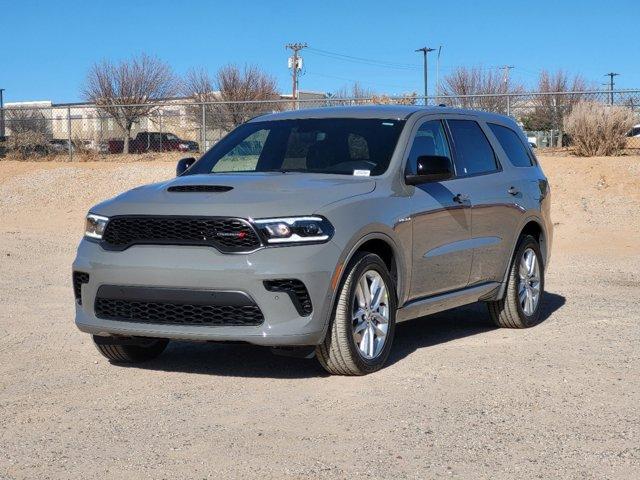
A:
[317,231]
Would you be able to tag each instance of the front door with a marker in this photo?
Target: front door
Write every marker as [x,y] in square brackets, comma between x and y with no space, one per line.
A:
[441,221]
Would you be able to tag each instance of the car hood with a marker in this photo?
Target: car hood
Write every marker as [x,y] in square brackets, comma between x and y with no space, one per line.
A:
[248,195]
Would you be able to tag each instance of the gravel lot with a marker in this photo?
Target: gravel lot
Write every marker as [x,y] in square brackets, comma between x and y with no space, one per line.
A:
[459,399]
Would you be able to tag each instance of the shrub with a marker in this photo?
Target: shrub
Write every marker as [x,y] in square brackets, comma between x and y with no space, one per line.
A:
[27,144]
[598,129]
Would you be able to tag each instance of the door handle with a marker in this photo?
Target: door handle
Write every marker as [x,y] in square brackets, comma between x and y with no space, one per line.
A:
[513,191]
[461,198]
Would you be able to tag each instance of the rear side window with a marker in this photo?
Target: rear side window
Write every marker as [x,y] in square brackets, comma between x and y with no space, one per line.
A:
[472,147]
[512,145]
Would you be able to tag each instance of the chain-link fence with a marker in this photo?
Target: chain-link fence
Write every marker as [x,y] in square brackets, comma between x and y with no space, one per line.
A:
[76,130]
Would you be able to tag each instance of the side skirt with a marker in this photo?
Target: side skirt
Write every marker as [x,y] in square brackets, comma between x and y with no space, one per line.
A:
[437,303]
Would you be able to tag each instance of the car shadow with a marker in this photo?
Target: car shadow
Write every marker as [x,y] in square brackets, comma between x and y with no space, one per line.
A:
[454,324]
[242,360]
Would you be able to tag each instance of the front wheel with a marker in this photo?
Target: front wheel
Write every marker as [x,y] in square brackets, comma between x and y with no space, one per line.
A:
[361,331]
[520,307]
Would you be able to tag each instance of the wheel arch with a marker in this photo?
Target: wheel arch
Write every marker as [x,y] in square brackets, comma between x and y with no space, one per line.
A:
[530,226]
[386,248]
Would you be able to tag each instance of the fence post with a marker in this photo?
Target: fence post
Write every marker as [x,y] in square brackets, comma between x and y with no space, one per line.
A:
[508,105]
[203,133]
[69,144]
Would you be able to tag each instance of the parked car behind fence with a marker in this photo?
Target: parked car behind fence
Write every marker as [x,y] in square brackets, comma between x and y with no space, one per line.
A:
[154,142]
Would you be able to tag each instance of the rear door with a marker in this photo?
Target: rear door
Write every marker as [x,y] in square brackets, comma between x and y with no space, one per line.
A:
[495,211]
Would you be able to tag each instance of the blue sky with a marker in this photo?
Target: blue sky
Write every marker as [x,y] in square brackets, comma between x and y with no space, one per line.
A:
[47,47]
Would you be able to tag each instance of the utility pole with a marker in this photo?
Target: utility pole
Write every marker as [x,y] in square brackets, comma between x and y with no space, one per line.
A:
[425,51]
[611,84]
[295,64]
[1,114]
[505,76]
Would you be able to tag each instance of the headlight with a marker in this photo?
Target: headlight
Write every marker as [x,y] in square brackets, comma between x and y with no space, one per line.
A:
[94,226]
[295,230]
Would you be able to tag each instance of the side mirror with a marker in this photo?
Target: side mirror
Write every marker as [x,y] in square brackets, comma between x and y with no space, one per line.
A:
[430,168]
[183,165]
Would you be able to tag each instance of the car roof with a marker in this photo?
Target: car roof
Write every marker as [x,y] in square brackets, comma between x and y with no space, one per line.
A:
[387,112]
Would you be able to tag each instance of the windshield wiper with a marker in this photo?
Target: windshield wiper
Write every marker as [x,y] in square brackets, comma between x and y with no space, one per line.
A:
[290,170]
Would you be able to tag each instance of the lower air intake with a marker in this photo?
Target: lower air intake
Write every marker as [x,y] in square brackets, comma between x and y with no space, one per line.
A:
[176,306]
[296,291]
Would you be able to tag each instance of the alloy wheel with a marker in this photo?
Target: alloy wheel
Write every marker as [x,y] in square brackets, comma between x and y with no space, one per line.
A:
[370,314]
[529,287]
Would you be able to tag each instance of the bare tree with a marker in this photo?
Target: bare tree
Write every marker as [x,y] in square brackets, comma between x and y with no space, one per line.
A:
[356,94]
[234,96]
[555,100]
[29,130]
[126,91]
[478,87]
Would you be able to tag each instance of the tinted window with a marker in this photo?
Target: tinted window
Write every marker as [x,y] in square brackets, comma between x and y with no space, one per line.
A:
[472,147]
[326,145]
[512,145]
[244,156]
[430,140]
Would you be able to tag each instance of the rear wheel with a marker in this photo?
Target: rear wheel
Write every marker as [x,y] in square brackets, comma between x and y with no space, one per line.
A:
[361,331]
[520,307]
[118,351]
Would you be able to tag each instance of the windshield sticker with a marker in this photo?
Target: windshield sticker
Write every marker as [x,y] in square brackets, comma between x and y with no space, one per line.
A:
[361,173]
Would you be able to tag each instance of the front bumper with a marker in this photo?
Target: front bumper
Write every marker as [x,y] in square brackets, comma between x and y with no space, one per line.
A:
[204,268]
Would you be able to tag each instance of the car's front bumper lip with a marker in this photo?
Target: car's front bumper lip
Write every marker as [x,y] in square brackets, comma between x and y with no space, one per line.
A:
[185,267]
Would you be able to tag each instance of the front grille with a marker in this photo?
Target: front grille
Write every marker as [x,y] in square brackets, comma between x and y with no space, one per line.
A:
[199,188]
[176,307]
[226,234]
[296,291]
[78,279]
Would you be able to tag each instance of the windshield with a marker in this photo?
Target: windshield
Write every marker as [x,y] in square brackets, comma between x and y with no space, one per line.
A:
[344,146]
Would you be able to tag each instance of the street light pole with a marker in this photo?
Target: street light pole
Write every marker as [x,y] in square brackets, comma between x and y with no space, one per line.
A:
[438,74]
[425,51]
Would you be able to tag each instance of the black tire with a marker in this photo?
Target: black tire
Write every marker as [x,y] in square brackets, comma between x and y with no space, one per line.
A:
[508,311]
[338,353]
[134,353]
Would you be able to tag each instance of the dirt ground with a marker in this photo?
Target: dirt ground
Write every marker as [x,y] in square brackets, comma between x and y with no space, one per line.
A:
[459,399]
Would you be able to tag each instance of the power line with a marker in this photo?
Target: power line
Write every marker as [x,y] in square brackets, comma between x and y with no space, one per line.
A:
[365,61]
[358,80]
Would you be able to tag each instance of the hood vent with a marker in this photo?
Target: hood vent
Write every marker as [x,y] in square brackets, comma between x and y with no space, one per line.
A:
[200,188]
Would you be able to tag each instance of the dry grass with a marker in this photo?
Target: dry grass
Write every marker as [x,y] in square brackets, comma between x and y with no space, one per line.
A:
[598,129]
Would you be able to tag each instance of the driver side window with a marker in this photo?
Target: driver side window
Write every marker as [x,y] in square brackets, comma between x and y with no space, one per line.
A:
[430,140]
[244,156]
